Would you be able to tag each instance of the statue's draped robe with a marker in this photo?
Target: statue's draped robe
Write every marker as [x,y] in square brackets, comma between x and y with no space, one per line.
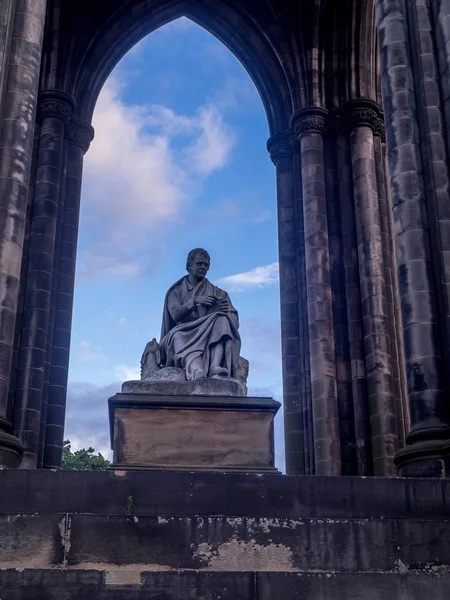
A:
[189,332]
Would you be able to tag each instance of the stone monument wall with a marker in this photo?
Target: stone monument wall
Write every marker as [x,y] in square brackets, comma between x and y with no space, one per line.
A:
[223,537]
[363,256]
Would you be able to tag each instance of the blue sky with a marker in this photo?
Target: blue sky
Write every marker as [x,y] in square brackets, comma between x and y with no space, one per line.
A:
[179,161]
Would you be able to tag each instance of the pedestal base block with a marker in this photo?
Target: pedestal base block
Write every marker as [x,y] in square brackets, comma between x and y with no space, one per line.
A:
[192,433]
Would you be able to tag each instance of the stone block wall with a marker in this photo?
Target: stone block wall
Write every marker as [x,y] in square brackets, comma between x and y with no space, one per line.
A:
[77,535]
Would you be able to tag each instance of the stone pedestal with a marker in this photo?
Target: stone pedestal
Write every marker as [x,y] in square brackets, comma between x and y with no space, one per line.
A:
[192,433]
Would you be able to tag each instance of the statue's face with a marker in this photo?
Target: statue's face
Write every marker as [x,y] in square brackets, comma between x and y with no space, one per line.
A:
[199,266]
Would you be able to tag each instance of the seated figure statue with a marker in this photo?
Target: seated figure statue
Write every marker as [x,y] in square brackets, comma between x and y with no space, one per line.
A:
[199,339]
[200,325]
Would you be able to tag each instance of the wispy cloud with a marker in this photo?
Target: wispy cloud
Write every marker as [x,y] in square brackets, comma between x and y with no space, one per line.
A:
[258,277]
[211,150]
[146,164]
[84,353]
[126,373]
[259,218]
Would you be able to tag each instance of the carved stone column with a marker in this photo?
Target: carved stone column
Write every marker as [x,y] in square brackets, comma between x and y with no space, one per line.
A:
[362,119]
[393,303]
[305,369]
[339,300]
[79,136]
[280,149]
[54,112]
[418,165]
[19,82]
[309,126]
[362,437]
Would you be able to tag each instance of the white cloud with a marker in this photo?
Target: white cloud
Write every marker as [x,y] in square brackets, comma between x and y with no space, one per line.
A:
[210,140]
[102,260]
[126,373]
[133,171]
[145,165]
[212,149]
[258,277]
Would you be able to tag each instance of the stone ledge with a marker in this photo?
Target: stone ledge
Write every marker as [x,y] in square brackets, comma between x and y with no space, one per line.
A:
[185,585]
[85,541]
[214,386]
[162,493]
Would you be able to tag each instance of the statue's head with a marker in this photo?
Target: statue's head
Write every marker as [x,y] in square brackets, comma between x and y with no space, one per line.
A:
[197,263]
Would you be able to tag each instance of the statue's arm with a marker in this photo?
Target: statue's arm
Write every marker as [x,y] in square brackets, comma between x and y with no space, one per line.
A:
[233,313]
[177,310]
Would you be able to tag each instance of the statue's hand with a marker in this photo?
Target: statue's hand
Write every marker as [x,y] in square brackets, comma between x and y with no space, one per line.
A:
[224,307]
[205,300]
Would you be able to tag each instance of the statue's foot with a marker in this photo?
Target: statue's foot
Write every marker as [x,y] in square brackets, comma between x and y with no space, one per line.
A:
[218,372]
[199,374]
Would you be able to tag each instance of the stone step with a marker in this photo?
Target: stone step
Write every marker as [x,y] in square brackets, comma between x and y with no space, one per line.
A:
[212,536]
[224,543]
[161,493]
[195,585]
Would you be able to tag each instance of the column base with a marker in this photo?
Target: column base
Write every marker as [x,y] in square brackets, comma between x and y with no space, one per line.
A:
[429,458]
[11,450]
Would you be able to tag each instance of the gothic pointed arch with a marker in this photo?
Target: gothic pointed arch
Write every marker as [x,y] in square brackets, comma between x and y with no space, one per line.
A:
[93,48]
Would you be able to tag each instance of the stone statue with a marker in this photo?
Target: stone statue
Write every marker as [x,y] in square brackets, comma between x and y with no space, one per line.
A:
[199,330]
[200,341]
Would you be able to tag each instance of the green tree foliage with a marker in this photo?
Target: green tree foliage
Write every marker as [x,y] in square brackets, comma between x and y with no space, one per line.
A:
[83,460]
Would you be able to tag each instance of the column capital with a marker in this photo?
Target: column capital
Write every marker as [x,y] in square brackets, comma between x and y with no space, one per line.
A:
[312,119]
[280,146]
[361,113]
[380,130]
[79,133]
[55,103]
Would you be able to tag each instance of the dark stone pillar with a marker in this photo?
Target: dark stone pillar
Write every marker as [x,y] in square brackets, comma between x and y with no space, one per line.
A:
[7,15]
[403,413]
[55,109]
[363,444]
[309,125]
[340,320]
[280,149]
[393,305]
[51,320]
[412,112]
[79,136]
[305,370]
[363,119]
[22,60]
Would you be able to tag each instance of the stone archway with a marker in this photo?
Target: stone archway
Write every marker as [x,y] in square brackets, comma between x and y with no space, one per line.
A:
[346,383]
[74,69]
